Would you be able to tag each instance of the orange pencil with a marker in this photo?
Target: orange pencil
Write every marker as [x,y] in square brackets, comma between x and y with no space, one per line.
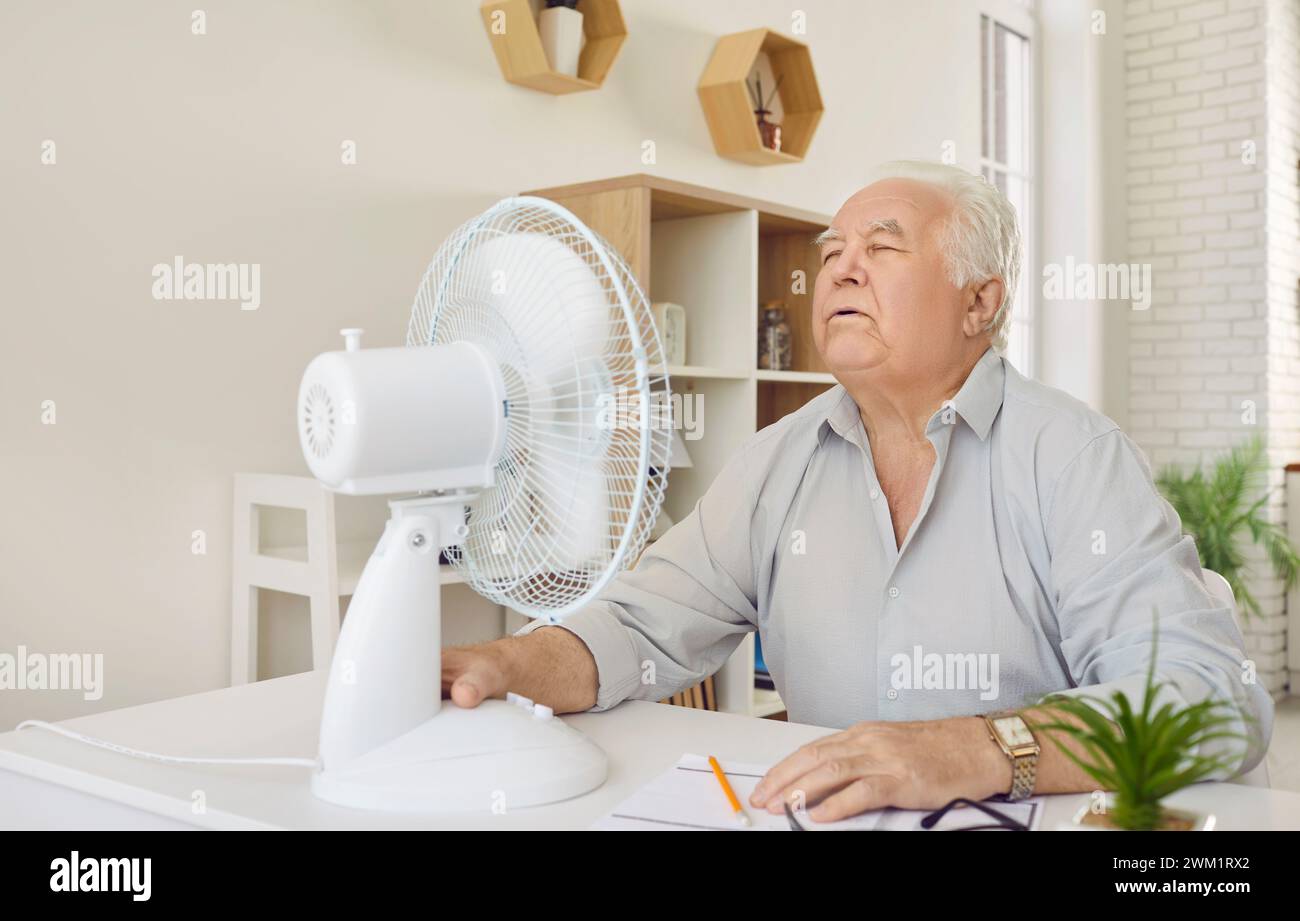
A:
[741,815]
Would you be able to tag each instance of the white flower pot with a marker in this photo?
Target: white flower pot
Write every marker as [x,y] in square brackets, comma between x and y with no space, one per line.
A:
[1086,819]
[562,38]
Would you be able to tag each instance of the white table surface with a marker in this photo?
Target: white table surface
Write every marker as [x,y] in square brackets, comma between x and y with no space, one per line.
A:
[47,781]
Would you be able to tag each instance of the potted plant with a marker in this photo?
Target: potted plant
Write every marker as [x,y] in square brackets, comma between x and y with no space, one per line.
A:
[1141,756]
[1217,509]
[769,133]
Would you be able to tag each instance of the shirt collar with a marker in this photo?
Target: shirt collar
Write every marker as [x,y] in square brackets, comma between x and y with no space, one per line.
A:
[843,418]
[977,402]
[980,398]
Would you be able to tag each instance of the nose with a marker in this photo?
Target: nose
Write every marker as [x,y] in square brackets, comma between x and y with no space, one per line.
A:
[849,267]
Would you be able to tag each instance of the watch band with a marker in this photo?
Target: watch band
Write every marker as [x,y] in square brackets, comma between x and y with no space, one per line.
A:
[1024,773]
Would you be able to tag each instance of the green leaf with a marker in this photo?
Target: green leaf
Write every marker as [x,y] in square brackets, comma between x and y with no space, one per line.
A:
[1221,509]
[1143,755]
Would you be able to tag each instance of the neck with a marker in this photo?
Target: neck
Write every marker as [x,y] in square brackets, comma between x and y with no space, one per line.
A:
[899,411]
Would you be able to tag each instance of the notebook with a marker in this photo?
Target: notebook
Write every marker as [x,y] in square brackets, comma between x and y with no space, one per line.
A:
[687,797]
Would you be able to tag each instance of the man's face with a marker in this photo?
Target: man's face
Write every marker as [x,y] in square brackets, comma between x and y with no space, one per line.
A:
[882,298]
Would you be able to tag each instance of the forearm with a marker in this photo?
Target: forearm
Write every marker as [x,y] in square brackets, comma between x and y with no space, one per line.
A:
[551,666]
[1056,772]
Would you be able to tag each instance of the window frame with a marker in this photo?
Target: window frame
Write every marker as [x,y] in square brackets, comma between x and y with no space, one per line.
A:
[1017,17]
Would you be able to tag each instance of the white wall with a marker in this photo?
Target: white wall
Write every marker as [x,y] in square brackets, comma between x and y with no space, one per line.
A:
[1282,291]
[1219,230]
[1083,343]
[1071,331]
[225,148]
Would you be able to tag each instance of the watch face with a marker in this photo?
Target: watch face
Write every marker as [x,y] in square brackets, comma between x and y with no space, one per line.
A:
[1013,731]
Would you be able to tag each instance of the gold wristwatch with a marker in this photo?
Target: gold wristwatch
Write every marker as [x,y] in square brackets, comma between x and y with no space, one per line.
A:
[1014,738]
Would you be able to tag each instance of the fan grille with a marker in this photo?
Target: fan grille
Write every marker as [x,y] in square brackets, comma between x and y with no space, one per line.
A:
[589,419]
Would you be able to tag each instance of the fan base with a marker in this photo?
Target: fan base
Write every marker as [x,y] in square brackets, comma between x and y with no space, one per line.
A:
[495,757]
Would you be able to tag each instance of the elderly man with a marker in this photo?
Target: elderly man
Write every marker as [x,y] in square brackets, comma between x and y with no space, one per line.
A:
[934,539]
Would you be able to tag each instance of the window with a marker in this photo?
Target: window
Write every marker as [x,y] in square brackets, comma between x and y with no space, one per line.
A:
[1005,149]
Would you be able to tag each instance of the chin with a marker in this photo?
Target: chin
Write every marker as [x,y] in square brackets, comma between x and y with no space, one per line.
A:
[850,353]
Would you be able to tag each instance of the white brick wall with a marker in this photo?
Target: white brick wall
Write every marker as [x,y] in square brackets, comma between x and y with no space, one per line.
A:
[1281,290]
[1208,85]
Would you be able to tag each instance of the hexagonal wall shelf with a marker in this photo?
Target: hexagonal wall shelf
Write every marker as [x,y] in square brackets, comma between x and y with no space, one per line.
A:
[518,45]
[729,109]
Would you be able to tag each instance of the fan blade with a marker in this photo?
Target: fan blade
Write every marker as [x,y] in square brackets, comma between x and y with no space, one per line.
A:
[577,513]
[549,297]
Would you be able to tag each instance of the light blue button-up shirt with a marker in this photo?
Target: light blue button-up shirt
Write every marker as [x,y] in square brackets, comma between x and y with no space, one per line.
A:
[1038,555]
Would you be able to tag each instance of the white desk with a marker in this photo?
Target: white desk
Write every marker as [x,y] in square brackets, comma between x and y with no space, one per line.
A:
[47,781]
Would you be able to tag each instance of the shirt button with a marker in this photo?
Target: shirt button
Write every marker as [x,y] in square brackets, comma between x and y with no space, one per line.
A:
[893,591]
[875,494]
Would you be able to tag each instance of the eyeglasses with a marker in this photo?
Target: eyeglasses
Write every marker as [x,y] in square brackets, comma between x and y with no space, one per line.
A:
[794,823]
[1002,821]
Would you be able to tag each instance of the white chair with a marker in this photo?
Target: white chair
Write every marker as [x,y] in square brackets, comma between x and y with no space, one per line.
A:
[312,570]
[1220,589]
[324,570]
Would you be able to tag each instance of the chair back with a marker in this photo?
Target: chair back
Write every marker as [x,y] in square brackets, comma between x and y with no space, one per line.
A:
[1222,591]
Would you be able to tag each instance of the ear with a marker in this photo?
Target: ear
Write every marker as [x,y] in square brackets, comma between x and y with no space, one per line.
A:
[982,302]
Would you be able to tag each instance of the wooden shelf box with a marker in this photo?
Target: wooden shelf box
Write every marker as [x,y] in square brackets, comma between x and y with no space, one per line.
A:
[512,28]
[729,107]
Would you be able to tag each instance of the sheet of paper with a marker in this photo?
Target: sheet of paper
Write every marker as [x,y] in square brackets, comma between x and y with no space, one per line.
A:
[688,798]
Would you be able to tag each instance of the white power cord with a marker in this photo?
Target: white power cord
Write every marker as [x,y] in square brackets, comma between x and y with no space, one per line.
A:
[154,756]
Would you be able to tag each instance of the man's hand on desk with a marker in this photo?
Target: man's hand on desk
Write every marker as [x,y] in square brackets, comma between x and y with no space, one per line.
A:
[920,765]
[551,666]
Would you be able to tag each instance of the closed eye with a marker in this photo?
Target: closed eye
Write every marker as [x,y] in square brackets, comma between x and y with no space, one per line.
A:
[874,248]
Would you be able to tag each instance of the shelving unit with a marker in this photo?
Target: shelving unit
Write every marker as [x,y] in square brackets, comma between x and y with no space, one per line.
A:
[308,561]
[720,256]
[352,557]
[796,377]
[726,374]
[767,703]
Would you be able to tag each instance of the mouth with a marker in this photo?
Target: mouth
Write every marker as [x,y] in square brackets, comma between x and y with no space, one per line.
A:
[847,312]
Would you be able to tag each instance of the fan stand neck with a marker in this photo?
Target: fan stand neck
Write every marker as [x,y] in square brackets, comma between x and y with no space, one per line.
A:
[445,509]
[388,741]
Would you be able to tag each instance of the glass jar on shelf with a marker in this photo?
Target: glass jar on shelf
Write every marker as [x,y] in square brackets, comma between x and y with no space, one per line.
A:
[775,350]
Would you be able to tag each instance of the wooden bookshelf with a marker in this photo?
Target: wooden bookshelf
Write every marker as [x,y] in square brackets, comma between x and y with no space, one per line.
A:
[721,256]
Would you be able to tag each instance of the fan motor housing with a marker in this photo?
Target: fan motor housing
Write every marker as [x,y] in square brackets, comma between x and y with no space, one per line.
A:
[408,419]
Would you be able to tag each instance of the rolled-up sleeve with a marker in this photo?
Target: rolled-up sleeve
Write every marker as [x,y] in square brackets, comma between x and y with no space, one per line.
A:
[674,619]
[1118,555]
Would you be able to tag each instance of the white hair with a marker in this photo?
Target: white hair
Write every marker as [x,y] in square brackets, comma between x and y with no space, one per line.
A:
[981,240]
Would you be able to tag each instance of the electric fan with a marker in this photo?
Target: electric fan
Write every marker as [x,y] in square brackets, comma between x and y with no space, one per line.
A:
[528,417]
